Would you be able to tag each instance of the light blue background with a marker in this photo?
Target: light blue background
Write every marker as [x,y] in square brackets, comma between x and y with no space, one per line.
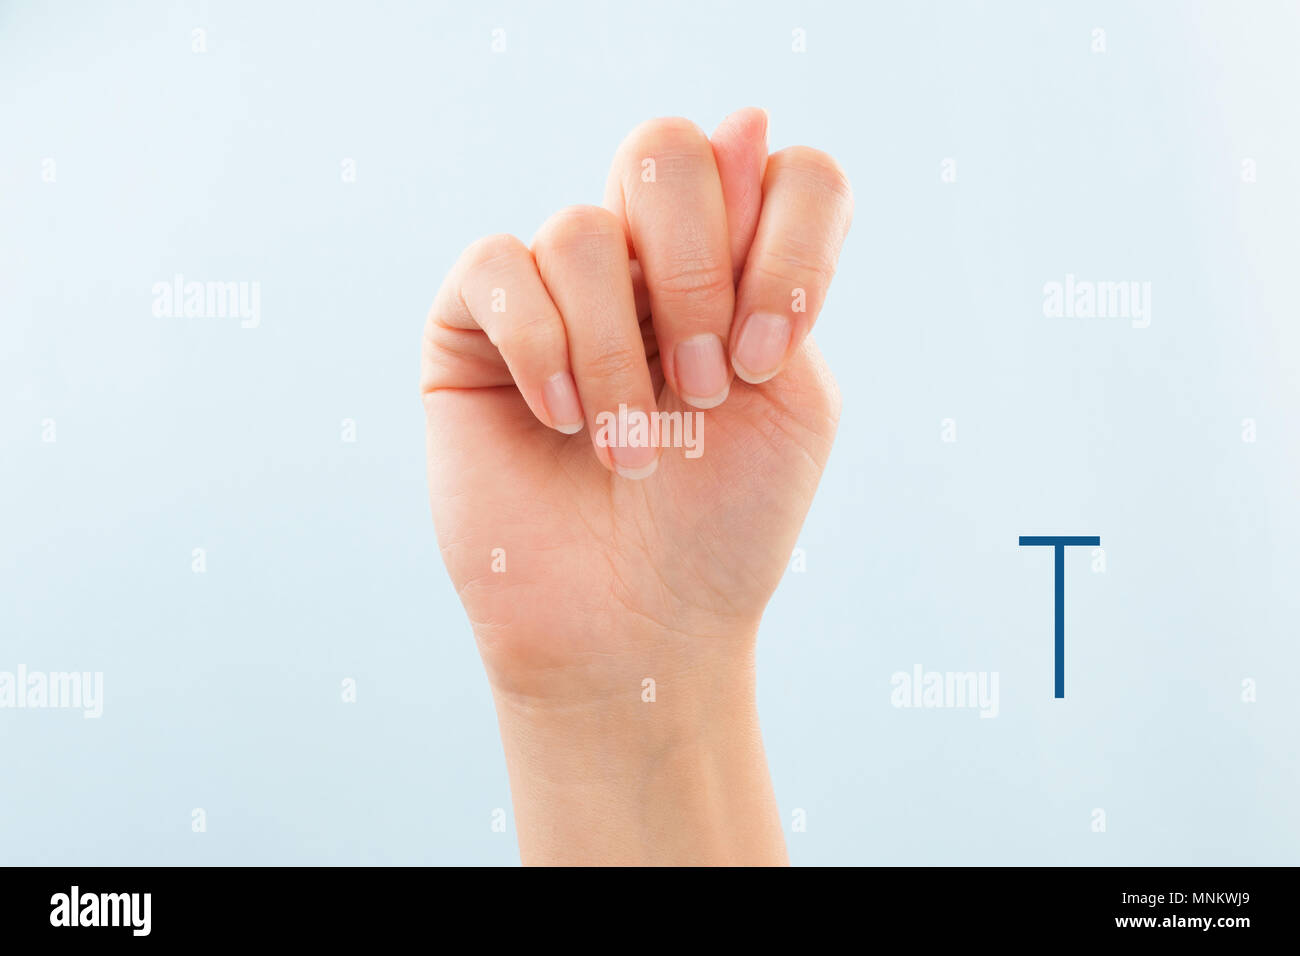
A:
[222,690]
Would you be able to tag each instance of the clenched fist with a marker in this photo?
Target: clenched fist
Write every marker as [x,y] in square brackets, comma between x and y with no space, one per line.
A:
[627,420]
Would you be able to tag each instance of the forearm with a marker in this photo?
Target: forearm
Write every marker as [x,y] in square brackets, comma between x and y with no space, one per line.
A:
[612,778]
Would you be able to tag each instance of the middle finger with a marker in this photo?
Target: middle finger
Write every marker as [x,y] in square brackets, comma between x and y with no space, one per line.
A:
[665,186]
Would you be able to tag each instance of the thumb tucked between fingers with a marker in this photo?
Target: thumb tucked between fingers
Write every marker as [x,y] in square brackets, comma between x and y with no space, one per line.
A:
[740,151]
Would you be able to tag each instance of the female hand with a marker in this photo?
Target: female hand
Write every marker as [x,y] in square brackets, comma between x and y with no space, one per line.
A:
[588,569]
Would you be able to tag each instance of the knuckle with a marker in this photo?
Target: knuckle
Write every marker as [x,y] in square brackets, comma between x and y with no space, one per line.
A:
[668,132]
[672,142]
[796,261]
[829,402]
[701,279]
[581,229]
[493,252]
[538,334]
[819,170]
[615,362]
[816,393]
[827,399]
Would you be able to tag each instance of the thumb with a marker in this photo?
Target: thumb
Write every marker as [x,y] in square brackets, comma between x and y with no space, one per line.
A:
[740,151]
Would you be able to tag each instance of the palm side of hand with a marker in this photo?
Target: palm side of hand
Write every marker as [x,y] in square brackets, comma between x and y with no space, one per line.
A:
[561,562]
[550,551]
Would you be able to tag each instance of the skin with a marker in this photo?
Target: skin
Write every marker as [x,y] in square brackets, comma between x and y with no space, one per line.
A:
[614,575]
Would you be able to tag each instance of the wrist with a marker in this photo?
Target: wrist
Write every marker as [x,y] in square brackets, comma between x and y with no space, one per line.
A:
[656,764]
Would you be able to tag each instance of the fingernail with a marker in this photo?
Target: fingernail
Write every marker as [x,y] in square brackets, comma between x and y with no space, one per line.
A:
[761,347]
[636,474]
[634,461]
[560,396]
[701,366]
